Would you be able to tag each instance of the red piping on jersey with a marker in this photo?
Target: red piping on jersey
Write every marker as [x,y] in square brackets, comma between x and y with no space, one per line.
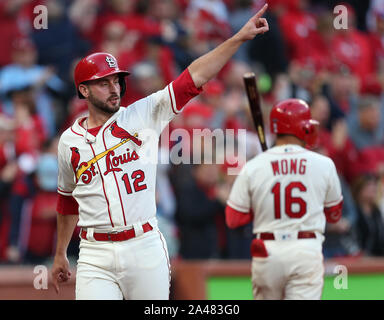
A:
[245,210]
[235,219]
[58,189]
[79,134]
[170,96]
[114,175]
[336,202]
[102,180]
[92,131]
[168,263]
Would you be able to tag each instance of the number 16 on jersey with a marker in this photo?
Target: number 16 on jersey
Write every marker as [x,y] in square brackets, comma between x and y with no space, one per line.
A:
[290,202]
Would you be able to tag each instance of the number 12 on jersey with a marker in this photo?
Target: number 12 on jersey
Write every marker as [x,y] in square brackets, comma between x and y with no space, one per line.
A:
[138,178]
[290,200]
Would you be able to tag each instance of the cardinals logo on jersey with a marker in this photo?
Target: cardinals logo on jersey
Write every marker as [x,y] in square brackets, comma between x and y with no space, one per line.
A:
[75,158]
[121,133]
[87,170]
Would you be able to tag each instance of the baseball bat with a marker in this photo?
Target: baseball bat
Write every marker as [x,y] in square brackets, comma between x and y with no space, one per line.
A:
[255,106]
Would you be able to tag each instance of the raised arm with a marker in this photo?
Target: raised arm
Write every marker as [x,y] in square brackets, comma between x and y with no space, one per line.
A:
[208,66]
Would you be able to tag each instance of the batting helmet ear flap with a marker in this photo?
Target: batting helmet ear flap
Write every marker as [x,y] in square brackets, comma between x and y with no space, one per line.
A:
[292,116]
[310,132]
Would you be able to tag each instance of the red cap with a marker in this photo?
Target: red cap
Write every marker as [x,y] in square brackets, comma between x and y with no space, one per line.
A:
[198,109]
[213,88]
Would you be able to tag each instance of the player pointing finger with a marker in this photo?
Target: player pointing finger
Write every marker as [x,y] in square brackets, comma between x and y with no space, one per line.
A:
[255,25]
[108,190]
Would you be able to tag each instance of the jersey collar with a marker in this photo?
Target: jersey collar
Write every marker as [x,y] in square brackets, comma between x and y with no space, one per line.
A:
[287,148]
[78,129]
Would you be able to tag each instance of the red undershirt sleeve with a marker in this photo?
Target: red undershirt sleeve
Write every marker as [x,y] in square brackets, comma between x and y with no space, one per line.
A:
[67,205]
[235,219]
[184,89]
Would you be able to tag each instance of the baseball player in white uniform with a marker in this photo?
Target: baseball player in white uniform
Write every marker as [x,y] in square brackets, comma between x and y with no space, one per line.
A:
[289,193]
[107,188]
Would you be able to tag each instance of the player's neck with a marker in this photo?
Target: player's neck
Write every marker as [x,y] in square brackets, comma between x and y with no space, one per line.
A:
[97,119]
[280,141]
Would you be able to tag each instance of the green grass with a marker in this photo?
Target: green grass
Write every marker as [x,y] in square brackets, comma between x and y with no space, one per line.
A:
[360,287]
[229,288]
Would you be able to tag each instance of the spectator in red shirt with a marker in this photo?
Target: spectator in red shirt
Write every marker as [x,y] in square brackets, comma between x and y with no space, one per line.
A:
[145,79]
[29,138]
[30,132]
[208,23]
[8,172]
[298,27]
[377,42]
[340,87]
[377,39]
[196,116]
[9,30]
[320,52]
[42,227]
[213,97]
[335,143]
[366,129]
[352,48]
[138,27]
[333,139]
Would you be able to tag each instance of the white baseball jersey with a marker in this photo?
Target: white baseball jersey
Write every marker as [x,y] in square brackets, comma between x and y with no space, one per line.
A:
[286,188]
[111,176]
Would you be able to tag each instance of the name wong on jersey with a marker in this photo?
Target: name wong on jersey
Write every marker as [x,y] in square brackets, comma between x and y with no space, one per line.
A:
[289,166]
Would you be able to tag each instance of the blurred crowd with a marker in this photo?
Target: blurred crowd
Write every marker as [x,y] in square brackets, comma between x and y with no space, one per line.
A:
[340,73]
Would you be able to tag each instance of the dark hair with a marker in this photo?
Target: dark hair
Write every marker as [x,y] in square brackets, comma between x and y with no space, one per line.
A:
[26,94]
[283,135]
[360,182]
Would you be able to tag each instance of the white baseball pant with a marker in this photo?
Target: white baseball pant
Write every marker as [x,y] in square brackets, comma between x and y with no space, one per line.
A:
[293,270]
[135,269]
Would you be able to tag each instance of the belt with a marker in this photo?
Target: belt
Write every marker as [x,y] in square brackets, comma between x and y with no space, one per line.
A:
[118,236]
[271,236]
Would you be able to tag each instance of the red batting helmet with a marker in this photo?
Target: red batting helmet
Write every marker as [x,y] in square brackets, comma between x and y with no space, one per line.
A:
[98,65]
[292,116]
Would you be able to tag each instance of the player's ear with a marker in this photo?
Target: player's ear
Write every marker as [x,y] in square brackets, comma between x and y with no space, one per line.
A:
[84,90]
